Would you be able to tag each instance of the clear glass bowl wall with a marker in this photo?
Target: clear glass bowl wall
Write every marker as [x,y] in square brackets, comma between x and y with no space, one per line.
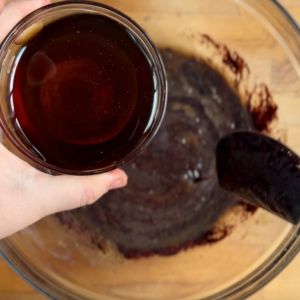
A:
[63,265]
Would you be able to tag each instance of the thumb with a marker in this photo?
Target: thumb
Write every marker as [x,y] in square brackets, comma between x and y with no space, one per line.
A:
[68,192]
[27,195]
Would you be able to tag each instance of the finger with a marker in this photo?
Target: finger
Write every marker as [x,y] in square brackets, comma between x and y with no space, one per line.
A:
[27,195]
[15,11]
[68,192]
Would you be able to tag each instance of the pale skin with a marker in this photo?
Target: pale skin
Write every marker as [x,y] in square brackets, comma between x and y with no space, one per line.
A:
[26,194]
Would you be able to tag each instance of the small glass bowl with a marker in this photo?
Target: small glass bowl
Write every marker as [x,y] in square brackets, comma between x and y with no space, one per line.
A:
[36,21]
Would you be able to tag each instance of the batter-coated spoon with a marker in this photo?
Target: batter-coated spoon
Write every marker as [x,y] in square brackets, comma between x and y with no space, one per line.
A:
[262,171]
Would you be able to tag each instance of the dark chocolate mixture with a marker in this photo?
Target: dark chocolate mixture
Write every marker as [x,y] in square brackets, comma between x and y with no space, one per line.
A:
[173,198]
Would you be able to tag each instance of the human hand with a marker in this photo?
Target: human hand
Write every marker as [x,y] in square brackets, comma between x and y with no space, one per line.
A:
[26,194]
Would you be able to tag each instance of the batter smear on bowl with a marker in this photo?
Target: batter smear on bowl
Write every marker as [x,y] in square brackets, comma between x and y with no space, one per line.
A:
[173,199]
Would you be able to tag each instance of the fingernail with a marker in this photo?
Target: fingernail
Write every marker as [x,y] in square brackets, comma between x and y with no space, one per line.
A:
[117,183]
[44,2]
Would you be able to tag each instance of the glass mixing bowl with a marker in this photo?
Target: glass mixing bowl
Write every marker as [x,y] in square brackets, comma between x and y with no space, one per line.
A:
[63,265]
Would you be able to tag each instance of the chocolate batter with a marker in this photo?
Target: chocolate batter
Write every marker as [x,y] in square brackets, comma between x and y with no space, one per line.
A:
[173,198]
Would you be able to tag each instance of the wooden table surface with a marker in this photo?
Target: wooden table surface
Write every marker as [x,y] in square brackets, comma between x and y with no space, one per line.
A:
[285,287]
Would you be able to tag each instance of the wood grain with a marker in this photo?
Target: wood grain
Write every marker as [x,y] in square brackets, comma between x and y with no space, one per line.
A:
[284,287]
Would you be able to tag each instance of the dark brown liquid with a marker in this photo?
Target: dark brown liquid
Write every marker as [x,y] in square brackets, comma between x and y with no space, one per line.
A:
[173,198]
[82,92]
